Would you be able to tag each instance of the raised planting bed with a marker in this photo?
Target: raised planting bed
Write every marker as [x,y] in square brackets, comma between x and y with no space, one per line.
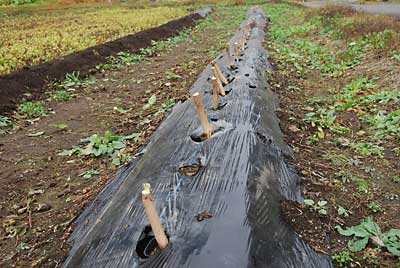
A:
[218,196]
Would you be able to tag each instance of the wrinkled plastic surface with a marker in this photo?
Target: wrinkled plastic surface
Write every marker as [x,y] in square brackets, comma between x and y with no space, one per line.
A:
[243,178]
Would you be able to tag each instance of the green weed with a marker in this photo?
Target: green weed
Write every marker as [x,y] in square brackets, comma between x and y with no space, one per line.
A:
[107,145]
[74,80]
[6,121]
[31,110]
[166,106]
[375,207]
[62,95]
[365,230]
[343,258]
[319,206]
[343,212]
[367,149]
[89,173]
[150,102]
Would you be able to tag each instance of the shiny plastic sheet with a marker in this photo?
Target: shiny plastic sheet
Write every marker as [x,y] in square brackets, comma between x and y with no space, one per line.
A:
[242,178]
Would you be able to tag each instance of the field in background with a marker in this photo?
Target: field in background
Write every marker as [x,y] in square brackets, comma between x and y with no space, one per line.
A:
[29,37]
[45,30]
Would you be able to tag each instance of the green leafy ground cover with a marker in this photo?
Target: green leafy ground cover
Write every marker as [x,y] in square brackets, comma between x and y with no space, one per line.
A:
[336,78]
[32,37]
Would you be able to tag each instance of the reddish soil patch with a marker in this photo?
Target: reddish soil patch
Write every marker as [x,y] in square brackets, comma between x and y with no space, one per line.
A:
[33,79]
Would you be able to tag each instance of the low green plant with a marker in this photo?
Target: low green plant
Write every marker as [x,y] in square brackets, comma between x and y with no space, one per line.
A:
[31,110]
[396,179]
[62,95]
[74,80]
[324,118]
[127,58]
[344,212]
[89,173]
[375,207]
[107,145]
[319,206]
[371,258]
[60,126]
[367,149]
[385,123]
[363,186]
[150,102]
[6,121]
[342,258]
[173,76]
[369,229]
[5,124]
[166,106]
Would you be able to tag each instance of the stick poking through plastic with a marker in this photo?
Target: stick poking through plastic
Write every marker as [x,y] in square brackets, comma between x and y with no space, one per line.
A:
[215,93]
[219,86]
[236,51]
[202,115]
[218,73]
[228,57]
[248,30]
[152,215]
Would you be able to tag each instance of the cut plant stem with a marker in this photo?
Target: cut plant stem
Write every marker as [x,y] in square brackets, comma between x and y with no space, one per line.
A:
[236,51]
[248,29]
[202,115]
[218,73]
[215,93]
[152,215]
[228,57]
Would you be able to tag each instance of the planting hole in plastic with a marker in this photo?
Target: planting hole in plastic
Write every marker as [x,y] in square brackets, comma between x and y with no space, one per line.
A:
[252,86]
[147,246]
[190,170]
[230,78]
[199,136]
[220,106]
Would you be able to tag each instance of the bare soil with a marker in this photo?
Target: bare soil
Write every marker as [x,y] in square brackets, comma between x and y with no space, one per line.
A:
[33,79]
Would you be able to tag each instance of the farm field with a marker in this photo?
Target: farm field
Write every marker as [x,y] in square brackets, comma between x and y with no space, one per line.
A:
[336,74]
[110,102]
[41,34]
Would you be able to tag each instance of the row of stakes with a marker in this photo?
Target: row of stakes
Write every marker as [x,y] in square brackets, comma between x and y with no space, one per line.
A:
[218,81]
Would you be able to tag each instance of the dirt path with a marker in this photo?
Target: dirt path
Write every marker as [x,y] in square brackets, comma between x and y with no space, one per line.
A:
[392,10]
[115,103]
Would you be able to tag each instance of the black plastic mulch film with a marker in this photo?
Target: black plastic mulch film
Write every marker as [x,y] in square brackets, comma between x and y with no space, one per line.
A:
[242,178]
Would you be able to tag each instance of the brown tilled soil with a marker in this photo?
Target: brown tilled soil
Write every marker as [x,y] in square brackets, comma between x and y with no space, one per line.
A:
[33,79]
[38,239]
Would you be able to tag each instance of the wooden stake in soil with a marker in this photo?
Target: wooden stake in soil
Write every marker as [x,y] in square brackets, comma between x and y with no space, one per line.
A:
[236,51]
[218,73]
[202,115]
[152,215]
[228,57]
[215,92]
